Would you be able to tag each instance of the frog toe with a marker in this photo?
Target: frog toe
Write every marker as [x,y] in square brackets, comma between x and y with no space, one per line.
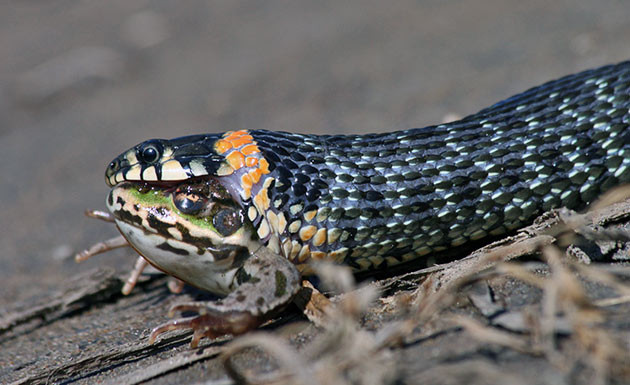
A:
[209,323]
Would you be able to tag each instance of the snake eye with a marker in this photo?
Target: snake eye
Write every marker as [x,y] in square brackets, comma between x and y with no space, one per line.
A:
[227,221]
[189,203]
[113,165]
[149,152]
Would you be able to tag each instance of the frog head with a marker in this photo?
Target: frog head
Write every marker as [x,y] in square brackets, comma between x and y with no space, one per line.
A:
[191,229]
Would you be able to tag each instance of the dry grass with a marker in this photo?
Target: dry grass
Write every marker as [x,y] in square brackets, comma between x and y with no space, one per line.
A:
[343,354]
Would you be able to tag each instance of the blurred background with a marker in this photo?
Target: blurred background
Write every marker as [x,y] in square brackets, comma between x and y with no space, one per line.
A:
[81,81]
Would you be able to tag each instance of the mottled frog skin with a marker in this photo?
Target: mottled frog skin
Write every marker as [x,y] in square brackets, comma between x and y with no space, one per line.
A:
[243,213]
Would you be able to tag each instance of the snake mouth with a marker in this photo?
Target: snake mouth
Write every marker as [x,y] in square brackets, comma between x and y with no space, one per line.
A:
[166,186]
[205,187]
[214,188]
[197,216]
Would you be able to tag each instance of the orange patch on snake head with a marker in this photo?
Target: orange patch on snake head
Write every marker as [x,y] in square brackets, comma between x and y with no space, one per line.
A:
[264,166]
[246,181]
[242,141]
[221,146]
[229,136]
[236,160]
[249,149]
[255,174]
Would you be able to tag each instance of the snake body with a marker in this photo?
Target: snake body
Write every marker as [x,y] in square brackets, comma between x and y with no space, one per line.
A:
[372,201]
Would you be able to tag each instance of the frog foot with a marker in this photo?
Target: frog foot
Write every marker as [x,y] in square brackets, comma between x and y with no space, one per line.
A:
[209,322]
[262,286]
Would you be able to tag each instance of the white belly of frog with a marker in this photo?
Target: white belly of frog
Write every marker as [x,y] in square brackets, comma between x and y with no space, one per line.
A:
[182,260]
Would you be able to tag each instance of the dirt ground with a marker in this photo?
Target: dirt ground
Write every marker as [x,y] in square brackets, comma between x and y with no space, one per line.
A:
[80,82]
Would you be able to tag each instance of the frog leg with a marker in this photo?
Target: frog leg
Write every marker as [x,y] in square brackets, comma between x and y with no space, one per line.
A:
[131,281]
[174,285]
[101,247]
[264,284]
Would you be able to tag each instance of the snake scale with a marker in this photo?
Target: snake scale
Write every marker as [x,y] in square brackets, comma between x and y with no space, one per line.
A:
[200,207]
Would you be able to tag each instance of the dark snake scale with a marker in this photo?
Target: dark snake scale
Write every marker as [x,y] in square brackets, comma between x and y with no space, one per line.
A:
[372,201]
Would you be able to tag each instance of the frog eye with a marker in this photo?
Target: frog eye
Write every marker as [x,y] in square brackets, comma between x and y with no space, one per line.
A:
[189,203]
[227,221]
[149,152]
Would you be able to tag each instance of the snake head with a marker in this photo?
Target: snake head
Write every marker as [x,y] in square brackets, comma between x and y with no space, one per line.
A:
[166,160]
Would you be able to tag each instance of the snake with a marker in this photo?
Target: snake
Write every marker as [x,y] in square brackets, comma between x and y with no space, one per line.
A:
[244,213]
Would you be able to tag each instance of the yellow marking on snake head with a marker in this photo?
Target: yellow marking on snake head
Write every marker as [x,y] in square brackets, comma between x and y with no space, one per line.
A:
[197,168]
[149,174]
[173,170]
[134,173]
[131,157]
[224,170]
